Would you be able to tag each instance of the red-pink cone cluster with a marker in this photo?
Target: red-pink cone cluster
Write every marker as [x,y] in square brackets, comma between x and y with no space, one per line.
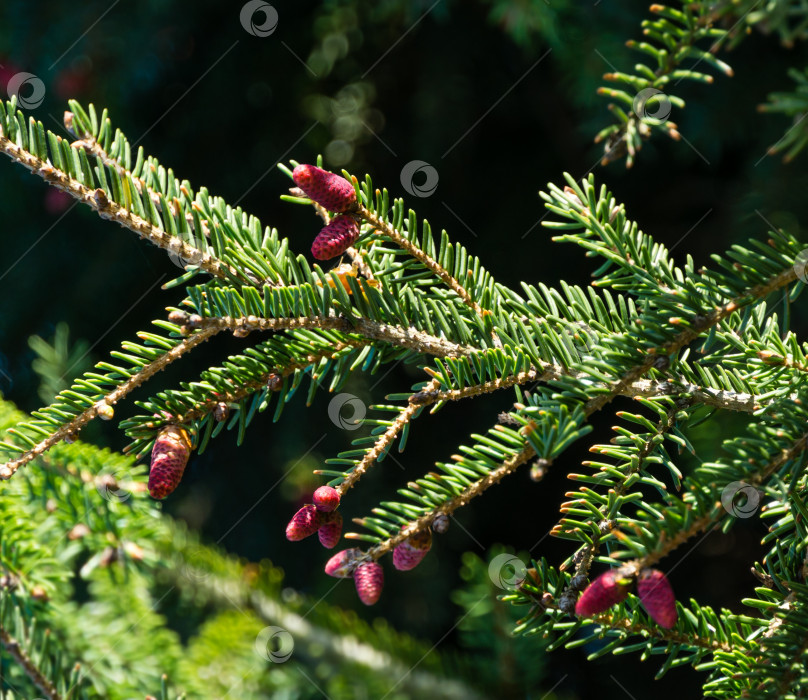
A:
[335,238]
[408,554]
[608,589]
[336,194]
[170,454]
[368,574]
[330,191]
[318,517]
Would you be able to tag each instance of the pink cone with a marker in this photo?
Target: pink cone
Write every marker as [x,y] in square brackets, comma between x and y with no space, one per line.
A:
[409,553]
[606,590]
[342,564]
[304,523]
[656,596]
[369,580]
[330,191]
[335,238]
[170,454]
[330,530]
[326,499]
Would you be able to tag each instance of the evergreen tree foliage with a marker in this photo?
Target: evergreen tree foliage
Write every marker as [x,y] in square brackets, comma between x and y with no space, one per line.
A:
[88,558]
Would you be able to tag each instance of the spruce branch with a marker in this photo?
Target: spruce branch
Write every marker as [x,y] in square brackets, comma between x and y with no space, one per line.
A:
[448,507]
[432,394]
[616,621]
[24,661]
[69,429]
[395,335]
[107,209]
[584,557]
[698,326]
[387,229]
[738,401]
[236,394]
[677,33]
[756,478]
[89,143]
[91,146]
[384,441]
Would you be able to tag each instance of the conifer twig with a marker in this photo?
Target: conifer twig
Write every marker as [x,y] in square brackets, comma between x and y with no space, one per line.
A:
[395,335]
[384,441]
[107,209]
[667,545]
[475,489]
[687,336]
[72,427]
[14,650]
[614,621]
[427,261]
[202,408]
[91,146]
[592,406]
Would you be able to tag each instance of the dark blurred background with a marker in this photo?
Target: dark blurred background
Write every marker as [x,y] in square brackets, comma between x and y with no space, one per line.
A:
[500,97]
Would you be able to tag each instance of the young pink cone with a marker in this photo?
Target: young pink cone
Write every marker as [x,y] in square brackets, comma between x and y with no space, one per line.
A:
[170,454]
[411,551]
[656,596]
[330,530]
[326,499]
[331,191]
[607,589]
[304,523]
[335,238]
[369,580]
[342,564]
